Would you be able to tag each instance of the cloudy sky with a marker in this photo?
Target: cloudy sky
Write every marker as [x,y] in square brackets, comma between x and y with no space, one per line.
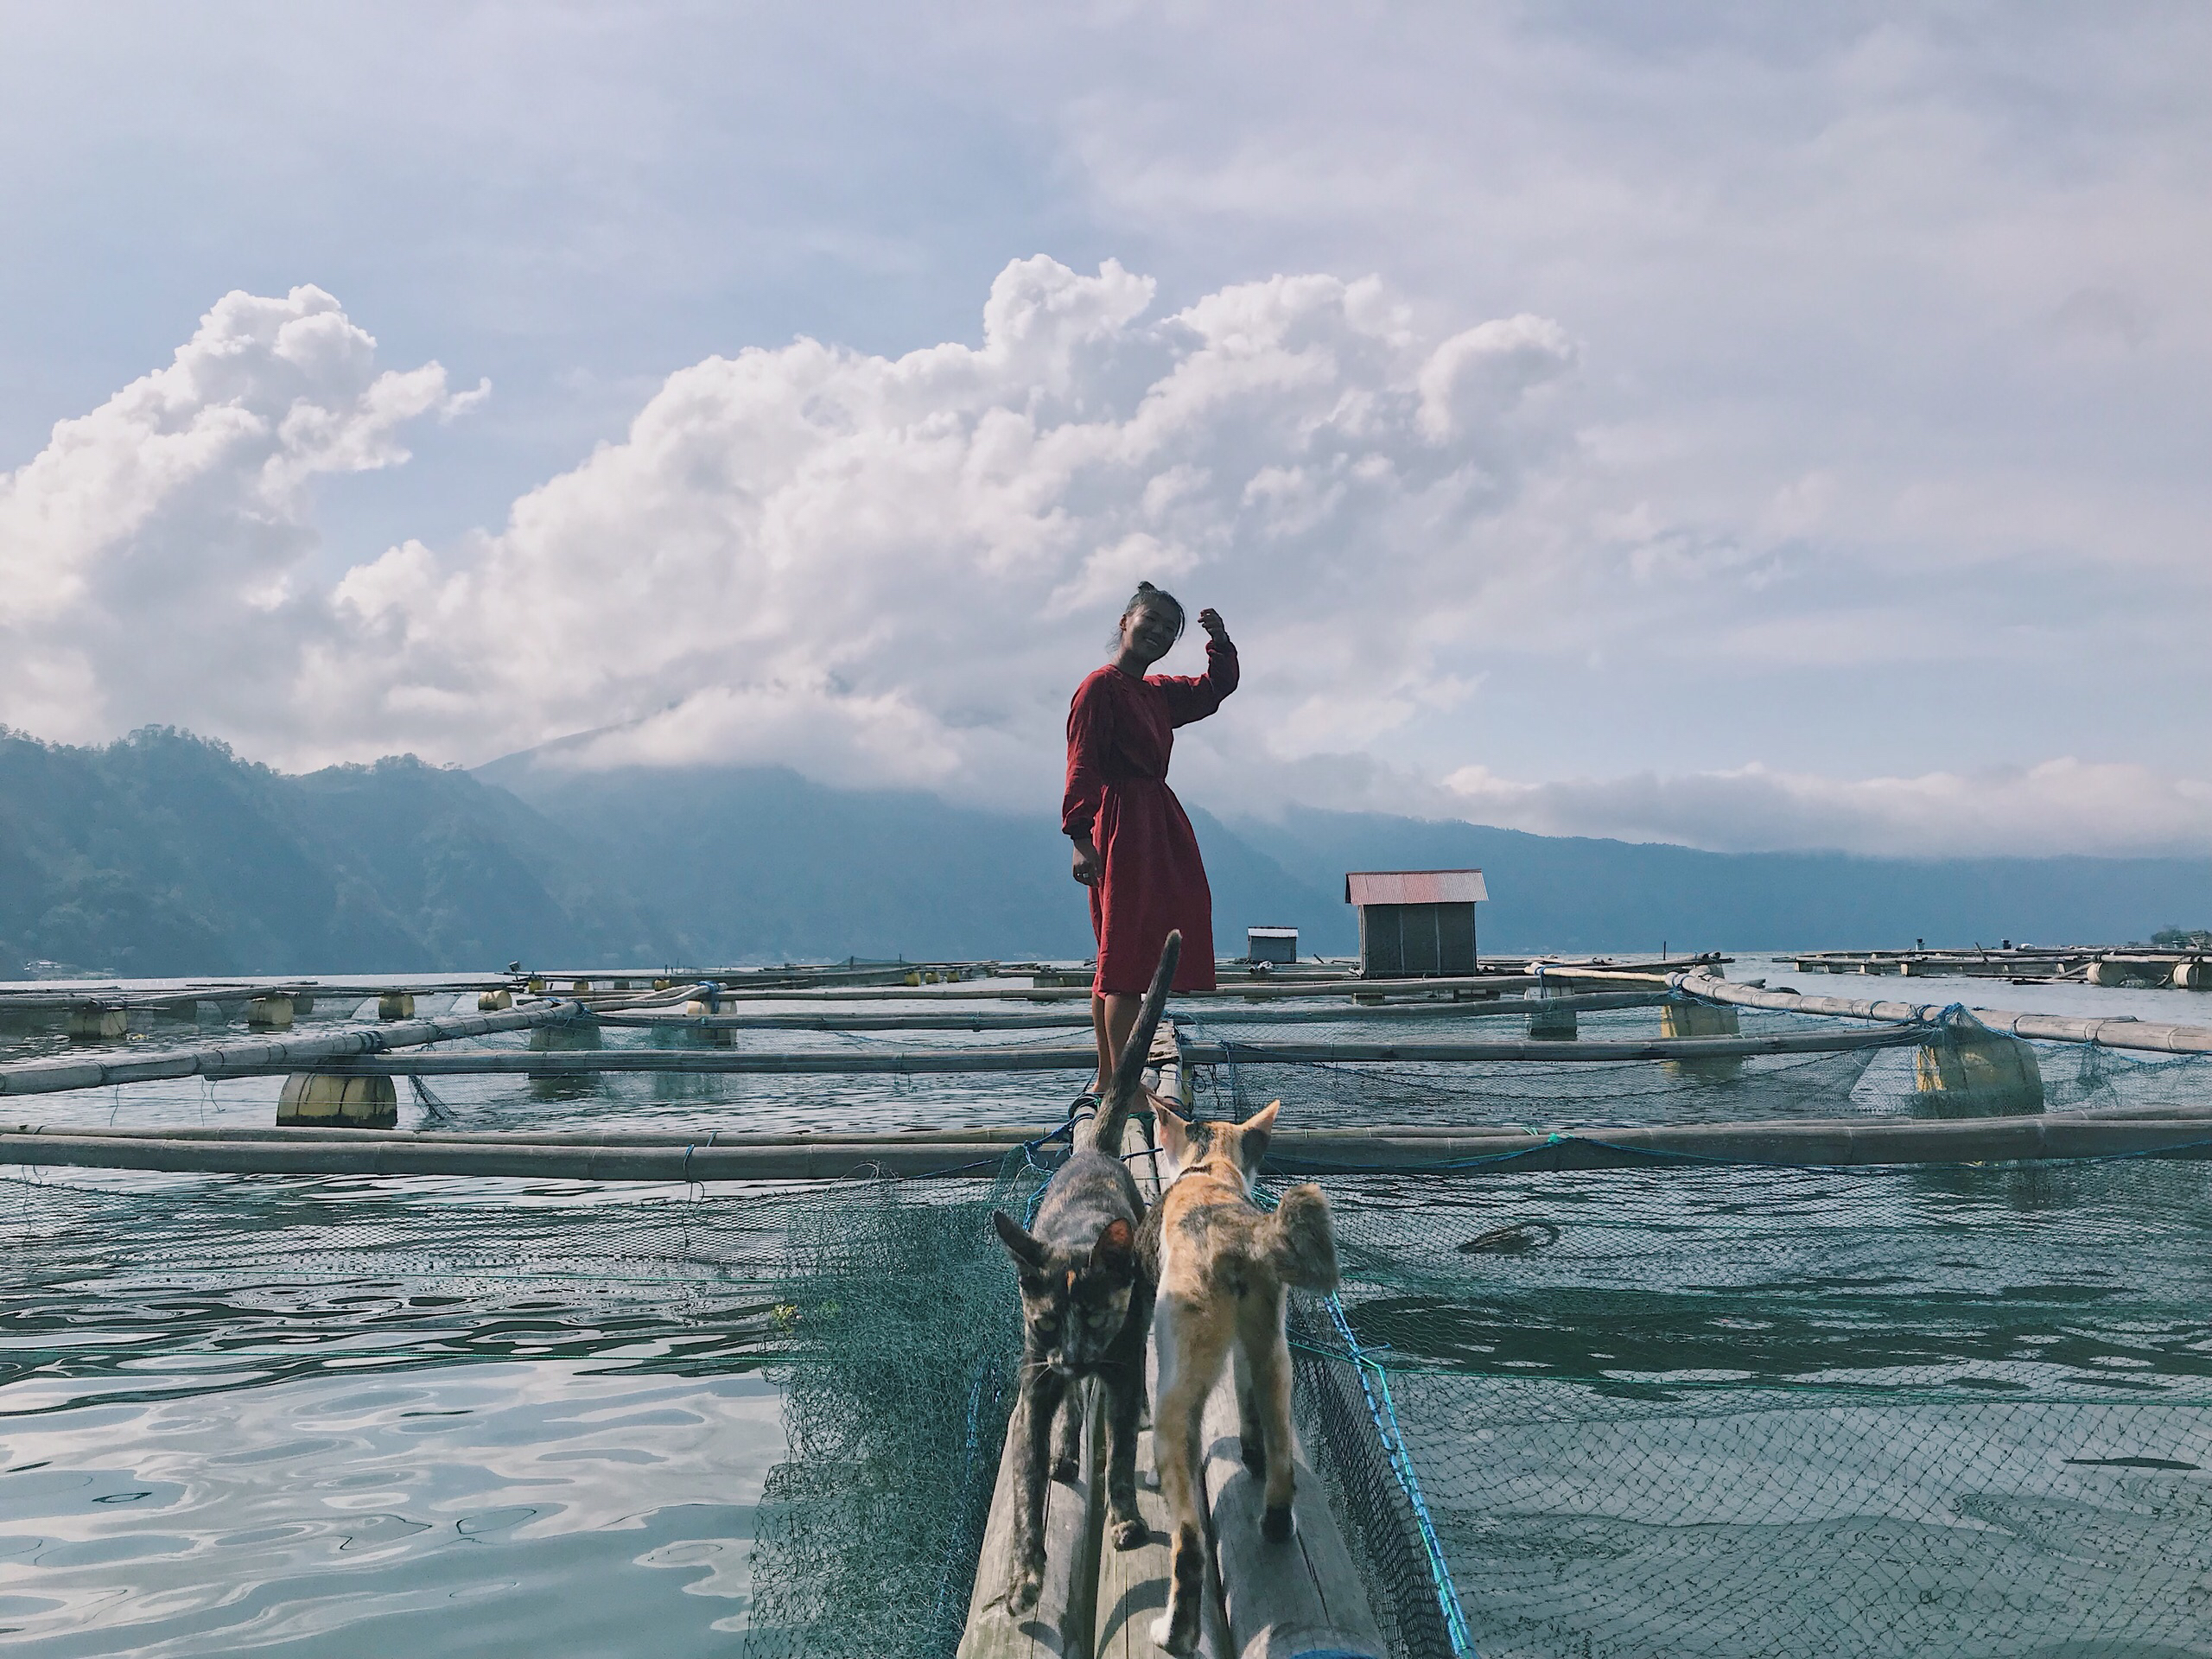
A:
[1744,429]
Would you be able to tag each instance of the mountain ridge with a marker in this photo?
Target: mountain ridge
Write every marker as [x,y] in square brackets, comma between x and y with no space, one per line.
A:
[164,853]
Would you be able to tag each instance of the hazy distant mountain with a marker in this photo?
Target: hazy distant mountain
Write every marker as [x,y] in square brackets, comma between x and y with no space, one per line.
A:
[1558,892]
[758,862]
[165,854]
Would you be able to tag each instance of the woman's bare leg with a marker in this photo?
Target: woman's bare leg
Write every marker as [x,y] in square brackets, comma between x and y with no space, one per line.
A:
[1113,1016]
[1105,1043]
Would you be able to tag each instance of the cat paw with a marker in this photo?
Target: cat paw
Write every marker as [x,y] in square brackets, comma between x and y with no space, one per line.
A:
[1163,1638]
[1130,1534]
[1022,1593]
[1064,1468]
[1279,1525]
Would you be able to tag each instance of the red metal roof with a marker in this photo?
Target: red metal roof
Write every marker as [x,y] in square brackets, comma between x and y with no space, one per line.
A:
[1415,888]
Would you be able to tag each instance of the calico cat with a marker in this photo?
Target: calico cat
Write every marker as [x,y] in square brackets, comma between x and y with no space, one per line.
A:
[1086,1308]
[1222,1264]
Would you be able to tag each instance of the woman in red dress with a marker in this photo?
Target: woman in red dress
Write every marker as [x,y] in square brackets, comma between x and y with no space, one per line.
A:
[1134,847]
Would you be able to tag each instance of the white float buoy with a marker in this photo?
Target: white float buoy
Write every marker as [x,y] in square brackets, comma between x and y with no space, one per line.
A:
[321,1099]
[566,1037]
[1688,1018]
[1977,1072]
[92,1023]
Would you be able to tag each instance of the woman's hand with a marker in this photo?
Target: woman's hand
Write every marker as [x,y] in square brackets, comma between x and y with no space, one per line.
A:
[1217,630]
[1090,863]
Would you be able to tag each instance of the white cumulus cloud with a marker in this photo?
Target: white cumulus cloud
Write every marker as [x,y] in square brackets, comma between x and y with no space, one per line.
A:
[893,569]
[148,554]
[2064,805]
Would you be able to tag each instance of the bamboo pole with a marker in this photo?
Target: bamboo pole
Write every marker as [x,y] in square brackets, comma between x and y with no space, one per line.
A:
[980,1020]
[2146,1036]
[918,1062]
[117,994]
[290,1054]
[1256,989]
[719,1156]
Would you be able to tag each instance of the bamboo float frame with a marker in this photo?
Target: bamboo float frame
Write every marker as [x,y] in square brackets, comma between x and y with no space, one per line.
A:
[925,1062]
[2153,1037]
[251,1058]
[934,1020]
[109,993]
[661,1157]
[1256,989]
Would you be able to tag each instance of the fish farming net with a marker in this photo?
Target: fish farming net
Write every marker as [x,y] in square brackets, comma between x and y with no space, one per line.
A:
[883,1310]
[1726,1409]
[1900,1078]
[1732,1411]
[1689,1408]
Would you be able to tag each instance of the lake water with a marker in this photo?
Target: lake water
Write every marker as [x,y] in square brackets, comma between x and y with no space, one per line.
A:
[446,1419]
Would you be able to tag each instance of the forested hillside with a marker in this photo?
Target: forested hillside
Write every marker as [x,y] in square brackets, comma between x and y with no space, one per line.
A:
[165,853]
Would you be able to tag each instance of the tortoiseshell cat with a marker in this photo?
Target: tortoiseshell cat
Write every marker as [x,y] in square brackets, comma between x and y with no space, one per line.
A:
[1086,1310]
[1220,1267]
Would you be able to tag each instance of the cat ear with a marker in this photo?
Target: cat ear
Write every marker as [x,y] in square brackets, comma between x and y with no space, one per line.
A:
[1116,1247]
[1024,1249]
[1252,1138]
[1174,1134]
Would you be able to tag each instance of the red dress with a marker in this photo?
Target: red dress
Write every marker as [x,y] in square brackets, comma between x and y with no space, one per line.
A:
[1121,730]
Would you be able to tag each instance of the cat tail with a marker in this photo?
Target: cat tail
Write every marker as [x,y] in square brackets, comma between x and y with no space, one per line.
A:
[1299,1243]
[1128,1088]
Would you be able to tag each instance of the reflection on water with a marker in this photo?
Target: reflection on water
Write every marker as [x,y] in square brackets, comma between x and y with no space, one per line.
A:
[552,1507]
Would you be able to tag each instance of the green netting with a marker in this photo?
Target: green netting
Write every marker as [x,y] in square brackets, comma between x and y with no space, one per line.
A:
[1727,1411]
[1730,1410]
[885,1310]
[903,1343]
[1874,1082]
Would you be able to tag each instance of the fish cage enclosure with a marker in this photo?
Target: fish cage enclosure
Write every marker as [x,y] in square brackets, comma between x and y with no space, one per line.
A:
[1735,1324]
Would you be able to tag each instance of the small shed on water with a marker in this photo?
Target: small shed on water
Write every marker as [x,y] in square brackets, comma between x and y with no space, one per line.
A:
[1416,923]
[1271,944]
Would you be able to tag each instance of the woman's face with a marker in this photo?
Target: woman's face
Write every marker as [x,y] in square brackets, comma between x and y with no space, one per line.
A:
[1148,631]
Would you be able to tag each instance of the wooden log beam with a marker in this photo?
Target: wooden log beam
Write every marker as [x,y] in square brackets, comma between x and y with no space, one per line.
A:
[942,1061]
[1825,1143]
[1060,1625]
[1302,1596]
[277,1153]
[350,1055]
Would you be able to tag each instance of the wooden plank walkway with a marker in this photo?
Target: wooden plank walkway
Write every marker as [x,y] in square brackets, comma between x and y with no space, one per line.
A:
[1263,1600]
[1060,1625]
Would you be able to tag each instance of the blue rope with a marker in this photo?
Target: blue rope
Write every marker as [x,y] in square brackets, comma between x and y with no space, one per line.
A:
[1384,1415]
